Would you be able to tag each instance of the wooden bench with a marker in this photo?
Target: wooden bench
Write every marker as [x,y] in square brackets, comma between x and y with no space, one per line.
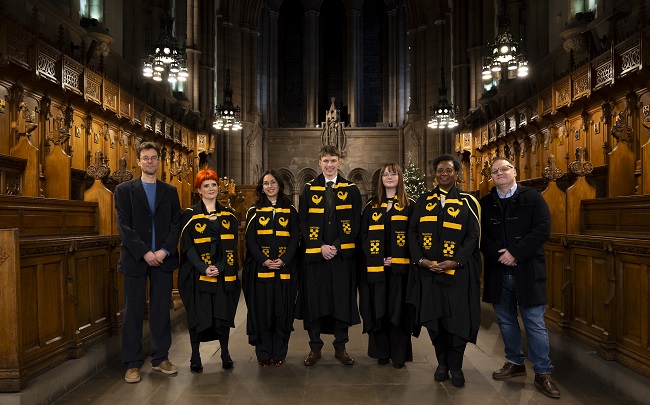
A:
[59,289]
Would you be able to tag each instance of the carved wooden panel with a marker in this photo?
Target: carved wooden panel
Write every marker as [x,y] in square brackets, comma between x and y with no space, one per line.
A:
[546,101]
[19,49]
[138,109]
[126,105]
[42,301]
[92,86]
[629,54]
[555,264]
[92,289]
[73,74]
[581,82]
[111,92]
[603,70]
[47,61]
[633,313]
[562,92]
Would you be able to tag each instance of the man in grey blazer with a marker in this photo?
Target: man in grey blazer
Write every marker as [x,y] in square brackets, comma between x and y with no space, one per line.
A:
[148,220]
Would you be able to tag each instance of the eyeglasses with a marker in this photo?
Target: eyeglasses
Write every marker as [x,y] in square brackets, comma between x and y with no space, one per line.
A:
[270,183]
[502,169]
[443,171]
[389,174]
[149,159]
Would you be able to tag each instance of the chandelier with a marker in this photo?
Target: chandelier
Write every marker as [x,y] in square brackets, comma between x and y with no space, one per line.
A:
[227,116]
[443,114]
[167,56]
[504,52]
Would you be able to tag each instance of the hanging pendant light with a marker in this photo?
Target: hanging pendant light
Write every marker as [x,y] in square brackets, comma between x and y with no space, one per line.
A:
[167,56]
[505,52]
[443,114]
[227,117]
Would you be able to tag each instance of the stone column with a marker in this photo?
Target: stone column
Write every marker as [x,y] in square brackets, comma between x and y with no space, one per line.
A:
[311,67]
[355,66]
[391,105]
[202,62]
[272,99]
[413,107]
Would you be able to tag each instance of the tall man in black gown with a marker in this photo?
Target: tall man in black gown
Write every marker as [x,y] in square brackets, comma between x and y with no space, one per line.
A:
[330,216]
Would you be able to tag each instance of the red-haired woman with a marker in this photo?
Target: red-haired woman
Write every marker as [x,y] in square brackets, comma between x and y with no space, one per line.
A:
[384,230]
[207,279]
[269,275]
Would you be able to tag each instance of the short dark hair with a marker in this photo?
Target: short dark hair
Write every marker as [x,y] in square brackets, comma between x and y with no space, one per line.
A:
[329,150]
[147,146]
[447,158]
[496,159]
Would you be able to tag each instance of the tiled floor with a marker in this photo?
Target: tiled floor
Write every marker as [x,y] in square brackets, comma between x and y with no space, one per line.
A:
[330,382]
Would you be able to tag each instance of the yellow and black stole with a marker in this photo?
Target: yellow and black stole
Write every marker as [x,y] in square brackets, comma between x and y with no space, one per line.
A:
[316,202]
[441,228]
[271,231]
[228,230]
[198,229]
[375,244]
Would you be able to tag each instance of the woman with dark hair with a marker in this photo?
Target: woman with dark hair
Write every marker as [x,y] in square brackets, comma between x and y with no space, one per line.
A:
[269,275]
[382,287]
[444,286]
[207,280]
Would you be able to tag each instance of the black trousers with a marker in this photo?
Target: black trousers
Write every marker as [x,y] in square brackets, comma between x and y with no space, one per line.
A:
[340,335]
[271,345]
[160,295]
[449,348]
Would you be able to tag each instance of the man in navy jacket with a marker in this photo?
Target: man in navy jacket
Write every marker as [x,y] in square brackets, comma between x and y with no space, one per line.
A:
[516,221]
[148,220]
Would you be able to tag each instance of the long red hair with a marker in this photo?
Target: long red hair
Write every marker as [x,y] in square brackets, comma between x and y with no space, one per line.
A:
[203,175]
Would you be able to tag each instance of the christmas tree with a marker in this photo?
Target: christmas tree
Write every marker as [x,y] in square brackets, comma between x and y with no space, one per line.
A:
[414,180]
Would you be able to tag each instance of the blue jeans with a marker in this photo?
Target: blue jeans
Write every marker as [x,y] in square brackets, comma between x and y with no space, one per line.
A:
[533,320]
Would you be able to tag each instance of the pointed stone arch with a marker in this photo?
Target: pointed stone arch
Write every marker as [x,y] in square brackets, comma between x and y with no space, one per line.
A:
[362,179]
[289,181]
[305,175]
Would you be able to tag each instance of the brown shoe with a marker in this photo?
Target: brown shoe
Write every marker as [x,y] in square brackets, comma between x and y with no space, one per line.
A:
[545,383]
[344,358]
[509,370]
[312,357]
[166,367]
[132,375]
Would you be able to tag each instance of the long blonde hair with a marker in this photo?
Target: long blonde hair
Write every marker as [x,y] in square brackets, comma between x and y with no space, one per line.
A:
[400,191]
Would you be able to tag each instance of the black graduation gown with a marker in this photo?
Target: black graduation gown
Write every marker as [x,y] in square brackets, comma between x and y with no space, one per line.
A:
[453,299]
[328,287]
[386,299]
[271,303]
[211,315]
[384,303]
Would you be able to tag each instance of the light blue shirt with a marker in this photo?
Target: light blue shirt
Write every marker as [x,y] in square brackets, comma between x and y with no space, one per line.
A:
[150,191]
[510,192]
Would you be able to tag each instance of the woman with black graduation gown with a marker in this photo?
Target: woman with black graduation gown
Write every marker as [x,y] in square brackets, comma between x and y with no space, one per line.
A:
[207,280]
[387,319]
[269,275]
[444,285]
